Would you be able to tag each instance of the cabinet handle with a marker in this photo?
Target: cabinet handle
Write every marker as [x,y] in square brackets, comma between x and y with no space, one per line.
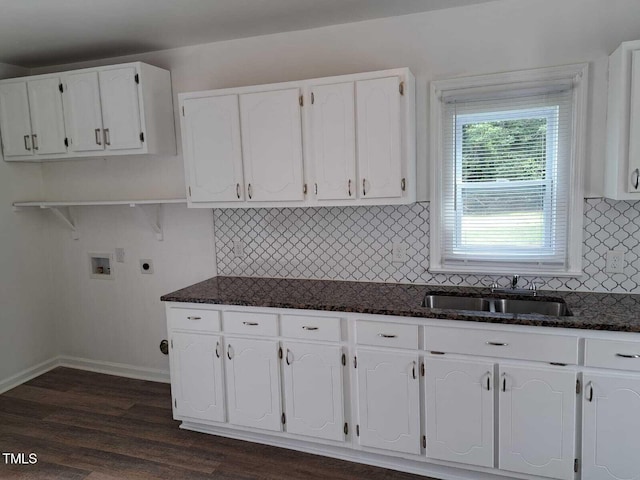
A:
[218,349]
[590,397]
[107,137]
[488,375]
[364,187]
[194,318]
[386,335]
[497,344]
[413,370]
[504,382]
[249,191]
[229,352]
[316,188]
[35,141]
[238,190]
[626,355]
[289,362]
[250,324]
[27,145]
[98,139]
[305,327]
[637,181]
[349,187]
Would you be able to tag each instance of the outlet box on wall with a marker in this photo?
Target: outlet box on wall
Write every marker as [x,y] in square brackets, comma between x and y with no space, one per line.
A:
[615,262]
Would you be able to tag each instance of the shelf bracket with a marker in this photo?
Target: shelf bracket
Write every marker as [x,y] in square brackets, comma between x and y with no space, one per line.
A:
[64,215]
[152,214]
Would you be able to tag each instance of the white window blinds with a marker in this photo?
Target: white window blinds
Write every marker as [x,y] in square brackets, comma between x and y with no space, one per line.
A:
[506,194]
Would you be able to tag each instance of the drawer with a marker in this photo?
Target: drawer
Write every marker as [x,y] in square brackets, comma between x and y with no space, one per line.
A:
[308,327]
[612,354]
[250,323]
[194,319]
[386,334]
[503,344]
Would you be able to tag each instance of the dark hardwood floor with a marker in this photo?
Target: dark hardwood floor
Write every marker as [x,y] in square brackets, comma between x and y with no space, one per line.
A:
[84,425]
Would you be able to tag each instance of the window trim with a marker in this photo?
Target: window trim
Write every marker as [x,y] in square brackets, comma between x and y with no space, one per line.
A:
[536,80]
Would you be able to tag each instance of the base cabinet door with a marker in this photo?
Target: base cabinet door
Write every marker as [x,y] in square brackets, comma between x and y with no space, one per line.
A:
[388,401]
[313,390]
[253,383]
[537,421]
[460,405]
[196,376]
[611,425]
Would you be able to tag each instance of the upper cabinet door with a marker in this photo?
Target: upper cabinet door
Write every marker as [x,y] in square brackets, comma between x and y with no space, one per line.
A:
[634,125]
[272,145]
[120,108]
[388,401]
[212,149]
[460,402]
[537,421]
[47,119]
[15,125]
[333,137]
[610,428]
[83,112]
[379,148]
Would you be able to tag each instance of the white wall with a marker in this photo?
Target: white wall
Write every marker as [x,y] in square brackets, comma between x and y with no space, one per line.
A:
[28,331]
[492,37]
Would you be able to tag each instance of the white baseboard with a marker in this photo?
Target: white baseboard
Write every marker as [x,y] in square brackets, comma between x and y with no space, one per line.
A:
[26,375]
[109,368]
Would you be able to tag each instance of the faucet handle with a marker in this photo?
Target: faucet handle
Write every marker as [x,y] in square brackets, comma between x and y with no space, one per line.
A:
[533,287]
[514,281]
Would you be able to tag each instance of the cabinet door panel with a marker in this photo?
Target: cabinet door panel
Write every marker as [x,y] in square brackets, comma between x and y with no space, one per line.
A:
[610,429]
[537,421]
[388,401]
[83,112]
[633,184]
[460,403]
[15,124]
[379,149]
[212,150]
[120,108]
[272,145]
[196,376]
[313,390]
[332,136]
[253,383]
[47,120]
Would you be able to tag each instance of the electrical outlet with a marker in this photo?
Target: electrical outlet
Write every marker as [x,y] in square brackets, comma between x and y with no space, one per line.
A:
[615,262]
[146,266]
[120,255]
[399,252]
[238,249]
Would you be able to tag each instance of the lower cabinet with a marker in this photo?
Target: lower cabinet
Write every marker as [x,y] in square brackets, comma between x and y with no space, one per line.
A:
[389,401]
[611,422]
[459,405]
[196,376]
[313,390]
[253,383]
[537,421]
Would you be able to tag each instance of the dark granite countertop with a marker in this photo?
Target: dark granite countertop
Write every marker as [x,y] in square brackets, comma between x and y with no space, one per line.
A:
[593,311]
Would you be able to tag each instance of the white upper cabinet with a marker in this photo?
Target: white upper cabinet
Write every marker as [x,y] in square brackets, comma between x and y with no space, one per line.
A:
[15,120]
[335,141]
[47,121]
[332,132]
[116,110]
[272,145]
[379,148]
[460,405]
[212,148]
[622,172]
[83,111]
[537,423]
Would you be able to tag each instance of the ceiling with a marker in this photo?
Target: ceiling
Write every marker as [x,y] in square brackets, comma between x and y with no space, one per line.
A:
[36,33]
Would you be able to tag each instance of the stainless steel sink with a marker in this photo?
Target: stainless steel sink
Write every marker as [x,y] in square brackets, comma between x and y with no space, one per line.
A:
[452,302]
[507,305]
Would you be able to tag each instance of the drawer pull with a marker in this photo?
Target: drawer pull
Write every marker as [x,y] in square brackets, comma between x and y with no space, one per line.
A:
[194,318]
[497,344]
[387,335]
[250,324]
[305,327]
[625,355]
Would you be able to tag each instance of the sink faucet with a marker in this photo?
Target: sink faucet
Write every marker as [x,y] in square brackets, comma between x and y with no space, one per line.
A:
[513,289]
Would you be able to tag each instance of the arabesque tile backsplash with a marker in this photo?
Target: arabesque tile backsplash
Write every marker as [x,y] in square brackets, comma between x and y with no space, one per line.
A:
[354,243]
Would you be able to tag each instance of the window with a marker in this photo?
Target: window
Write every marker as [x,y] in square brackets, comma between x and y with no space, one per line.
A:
[507,189]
